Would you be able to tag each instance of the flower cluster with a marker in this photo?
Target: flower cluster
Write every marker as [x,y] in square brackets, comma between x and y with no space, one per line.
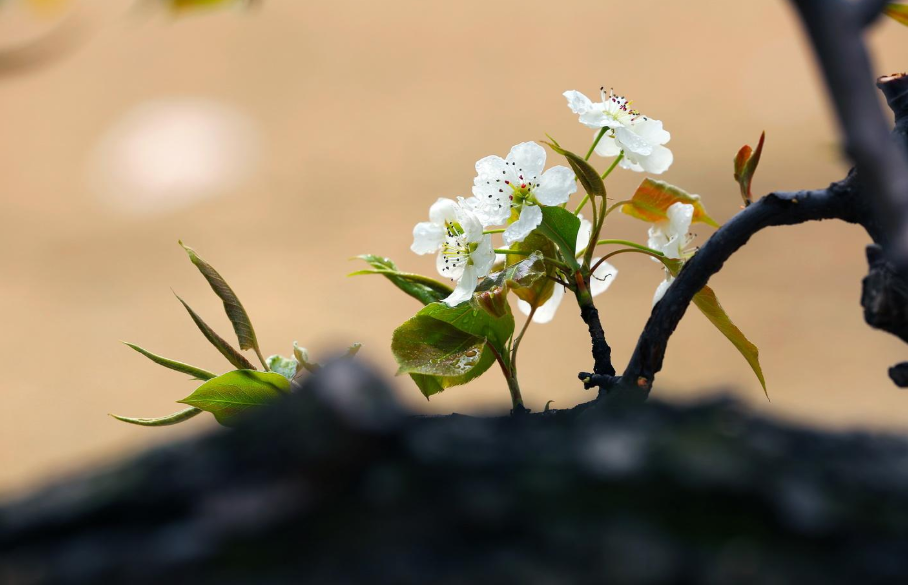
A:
[508,190]
[625,132]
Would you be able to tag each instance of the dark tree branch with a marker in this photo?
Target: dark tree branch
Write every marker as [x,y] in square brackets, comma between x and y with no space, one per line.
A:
[838,201]
[867,11]
[875,195]
[835,28]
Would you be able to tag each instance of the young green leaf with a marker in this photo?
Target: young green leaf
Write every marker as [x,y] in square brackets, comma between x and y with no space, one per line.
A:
[232,355]
[422,288]
[653,198]
[897,12]
[588,176]
[242,325]
[518,275]
[561,226]
[286,367]
[353,350]
[234,394]
[746,163]
[709,305]
[424,345]
[437,355]
[163,421]
[196,373]
[541,290]
[475,322]
[431,385]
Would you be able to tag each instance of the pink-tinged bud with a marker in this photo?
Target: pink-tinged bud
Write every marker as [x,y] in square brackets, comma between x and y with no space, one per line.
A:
[494,302]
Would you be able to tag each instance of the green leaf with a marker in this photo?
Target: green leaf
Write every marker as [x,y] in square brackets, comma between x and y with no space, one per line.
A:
[431,385]
[232,355]
[353,350]
[653,198]
[196,373]
[561,226]
[424,345]
[446,346]
[540,291]
[234,394]
[438,355]
[897,12]
[163,421]
[242,325]
[302,356]
[286,367]
[473,321]
[422,288]
[746,163]
[709,305]
[588,176]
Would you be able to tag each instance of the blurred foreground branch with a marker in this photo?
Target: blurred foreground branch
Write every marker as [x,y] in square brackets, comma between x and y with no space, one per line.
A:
[337,485]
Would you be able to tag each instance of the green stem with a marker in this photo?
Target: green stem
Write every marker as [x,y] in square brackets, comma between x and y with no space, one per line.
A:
[497,231]
[519,338]
[604,176]
[258,352]
[517,406]
[595,143]
[615,206]
[652,253]
[614,164]
[630,244]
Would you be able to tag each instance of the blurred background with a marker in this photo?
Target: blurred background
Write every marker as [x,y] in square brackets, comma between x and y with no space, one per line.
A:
[283,140]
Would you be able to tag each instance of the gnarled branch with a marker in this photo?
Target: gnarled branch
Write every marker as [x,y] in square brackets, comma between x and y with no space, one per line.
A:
[874,195]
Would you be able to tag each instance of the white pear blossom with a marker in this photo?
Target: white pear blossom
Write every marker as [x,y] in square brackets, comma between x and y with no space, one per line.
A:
[639,137]
[514,187]
[601,279]
[671,237]
[465,254]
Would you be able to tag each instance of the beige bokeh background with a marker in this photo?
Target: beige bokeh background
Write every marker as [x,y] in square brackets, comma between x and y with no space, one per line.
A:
[365,112]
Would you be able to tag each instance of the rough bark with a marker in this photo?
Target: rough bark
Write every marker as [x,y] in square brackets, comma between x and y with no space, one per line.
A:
[338,485]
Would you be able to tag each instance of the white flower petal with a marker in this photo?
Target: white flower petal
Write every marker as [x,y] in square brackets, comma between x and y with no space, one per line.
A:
[680,215]
[530,217]
[492,205]
[490,168]
[528,158]
[579,103]
[427,237]
[652,131]
[443,210]
[595,117]
[630,163]
[662,288]
[584,233]
[630,141]
[602,278]
[545,312]
[469,221]
[464,289]
[607,146]
[658,162]
[452,269]
[483,257]
[556,186]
